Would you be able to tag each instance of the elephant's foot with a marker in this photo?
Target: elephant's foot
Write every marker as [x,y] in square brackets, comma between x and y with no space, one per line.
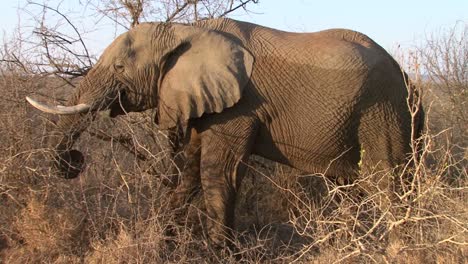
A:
[221,238]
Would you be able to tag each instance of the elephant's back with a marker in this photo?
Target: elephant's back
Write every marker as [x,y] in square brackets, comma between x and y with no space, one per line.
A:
[310,89]
[313,88]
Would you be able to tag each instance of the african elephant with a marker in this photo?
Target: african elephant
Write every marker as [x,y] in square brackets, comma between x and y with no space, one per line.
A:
[314,101]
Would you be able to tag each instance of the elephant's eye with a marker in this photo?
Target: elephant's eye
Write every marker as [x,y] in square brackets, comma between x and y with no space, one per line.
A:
[119,67]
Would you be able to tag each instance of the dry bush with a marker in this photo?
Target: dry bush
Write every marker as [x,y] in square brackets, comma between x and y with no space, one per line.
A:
[117,211]
[445,61]
[427,222]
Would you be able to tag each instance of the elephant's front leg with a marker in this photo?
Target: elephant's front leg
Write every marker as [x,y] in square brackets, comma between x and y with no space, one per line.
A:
[223,165]
[189,180]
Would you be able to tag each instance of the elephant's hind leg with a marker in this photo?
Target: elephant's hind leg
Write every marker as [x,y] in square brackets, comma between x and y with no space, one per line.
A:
[385,146]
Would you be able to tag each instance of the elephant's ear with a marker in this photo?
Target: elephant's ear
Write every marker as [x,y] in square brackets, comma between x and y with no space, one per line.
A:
[206,73]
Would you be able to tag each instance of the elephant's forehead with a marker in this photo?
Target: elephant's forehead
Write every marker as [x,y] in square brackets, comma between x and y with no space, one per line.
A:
[132,45]
[120,46]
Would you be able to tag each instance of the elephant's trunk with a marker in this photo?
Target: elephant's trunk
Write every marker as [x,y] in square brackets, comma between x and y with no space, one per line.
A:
[91,92]
[67,161]
[92,95]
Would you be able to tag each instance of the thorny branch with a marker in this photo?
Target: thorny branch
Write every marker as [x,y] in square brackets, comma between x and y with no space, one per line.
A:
[242,4]
[178,10]
[58,48]
[60,37]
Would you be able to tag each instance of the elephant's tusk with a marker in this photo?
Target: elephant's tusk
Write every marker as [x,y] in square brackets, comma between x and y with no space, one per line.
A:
[60,109]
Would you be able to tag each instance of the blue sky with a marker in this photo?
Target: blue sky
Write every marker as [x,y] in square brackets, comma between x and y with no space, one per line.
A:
[390,23]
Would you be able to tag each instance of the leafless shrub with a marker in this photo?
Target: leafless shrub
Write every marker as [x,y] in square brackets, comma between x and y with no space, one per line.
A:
[445,61]
[58,43]
[334,223]
[132,12]
[117,211]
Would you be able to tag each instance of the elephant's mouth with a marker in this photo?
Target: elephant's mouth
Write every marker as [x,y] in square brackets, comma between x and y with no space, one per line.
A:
[70,164]
[120,105]
[116,109]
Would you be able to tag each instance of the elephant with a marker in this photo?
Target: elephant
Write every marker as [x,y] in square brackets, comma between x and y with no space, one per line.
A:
[313,101]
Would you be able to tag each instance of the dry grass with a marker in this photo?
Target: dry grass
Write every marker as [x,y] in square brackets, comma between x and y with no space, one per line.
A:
[117,210]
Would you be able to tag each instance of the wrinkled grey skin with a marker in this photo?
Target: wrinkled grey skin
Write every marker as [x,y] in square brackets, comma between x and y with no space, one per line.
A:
[314,101]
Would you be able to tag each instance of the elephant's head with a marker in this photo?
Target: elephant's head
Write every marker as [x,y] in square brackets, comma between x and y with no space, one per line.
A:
[182,71]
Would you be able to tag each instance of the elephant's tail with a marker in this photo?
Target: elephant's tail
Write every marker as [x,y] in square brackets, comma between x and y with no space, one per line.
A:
[417,112]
